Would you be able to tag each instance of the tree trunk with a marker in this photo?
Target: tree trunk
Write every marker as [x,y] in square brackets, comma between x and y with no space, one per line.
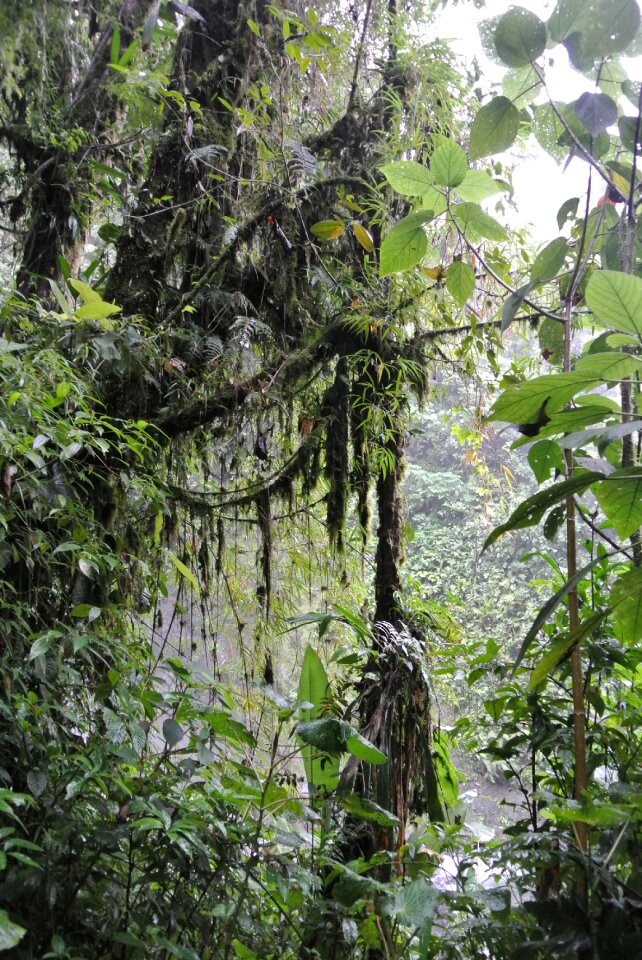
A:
[59,176]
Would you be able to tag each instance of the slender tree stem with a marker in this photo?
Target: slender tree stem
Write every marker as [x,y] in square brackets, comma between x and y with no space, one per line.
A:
[577,674]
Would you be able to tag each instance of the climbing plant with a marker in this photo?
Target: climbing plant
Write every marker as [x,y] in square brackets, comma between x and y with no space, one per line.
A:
[585,293]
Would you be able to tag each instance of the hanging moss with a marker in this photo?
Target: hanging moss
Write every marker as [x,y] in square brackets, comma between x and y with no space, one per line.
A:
[220,545]
[264,517]
[337,455]
[360,474]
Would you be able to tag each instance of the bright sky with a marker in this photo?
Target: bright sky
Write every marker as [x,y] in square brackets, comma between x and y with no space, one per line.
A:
[540,184]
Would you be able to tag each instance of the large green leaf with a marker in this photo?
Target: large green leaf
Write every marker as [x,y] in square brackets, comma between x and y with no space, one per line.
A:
[596,111]
[550,335]
[593,29]
[620,497]
[566,421]
[460,281]
[494,128]
[173,733]
[326,735]
[448,164]
[549,261]
[616,300]
[478,185]
[521,85]
[475,223]
[533,509]
[525,402]
[549,131]
[602,434]
[327,229]
[626,598]
[408,177]
[405,245]
[594,814]
[414,904]
[445,770]
[512,303]
[367,810]
[520,37]
[608,366]
[544,457]
[559,650]
[362,749]
[433,200]
[314,689]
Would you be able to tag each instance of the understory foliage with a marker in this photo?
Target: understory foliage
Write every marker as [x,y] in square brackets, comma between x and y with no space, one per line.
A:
[243,243]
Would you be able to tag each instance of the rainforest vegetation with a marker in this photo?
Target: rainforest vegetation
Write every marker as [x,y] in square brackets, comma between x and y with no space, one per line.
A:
[287,392]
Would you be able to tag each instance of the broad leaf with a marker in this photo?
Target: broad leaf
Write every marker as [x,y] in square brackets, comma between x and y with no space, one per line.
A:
[512,303]
[433,200]
[326,229]
[37,782]
[569,421]
[414,904]
[616,300]
[364,237]
[474,222]
[620,497]
[608,366]
[626,598]
[173,733]
[477,185]
[408,177]
[445,770]
[602,434]
[550,335]
[533,509]
[596,111]
[559,650]
[314,688]
[362,749]
[549,131]
[494,128]
[367,810]
[520,37]
[326,735]
[448,164]
[405,245]
[544,457]
[460,281]
[593,29]
[524,403]
[521,85]
[549,261]
[594,814]
[567,211]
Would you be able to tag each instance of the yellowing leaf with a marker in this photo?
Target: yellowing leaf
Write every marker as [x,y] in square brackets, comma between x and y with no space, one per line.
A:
[326,229]
[363,236]
[433,273]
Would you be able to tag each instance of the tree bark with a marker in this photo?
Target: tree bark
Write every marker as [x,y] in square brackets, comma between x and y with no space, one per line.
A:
[59,188]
